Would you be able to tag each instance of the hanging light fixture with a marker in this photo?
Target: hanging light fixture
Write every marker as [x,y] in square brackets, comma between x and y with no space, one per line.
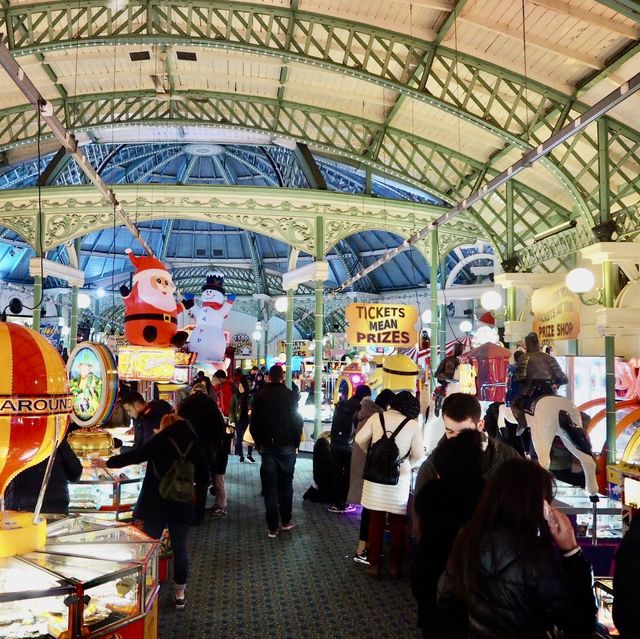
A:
[580,280]
[491,300]
[281,304]
[466,326]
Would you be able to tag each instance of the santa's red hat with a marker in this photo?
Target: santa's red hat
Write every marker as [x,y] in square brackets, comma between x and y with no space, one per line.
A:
[146,266]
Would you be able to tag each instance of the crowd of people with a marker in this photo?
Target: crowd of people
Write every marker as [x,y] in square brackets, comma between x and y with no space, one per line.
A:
[491,557]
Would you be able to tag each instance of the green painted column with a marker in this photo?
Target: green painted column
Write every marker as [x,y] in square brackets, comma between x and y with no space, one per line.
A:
[318,359]
[608,286]
[434,308]
[512,310]
[289,343]
[37,302]
[319,334]
[266,342]
[73,319]
[442,315]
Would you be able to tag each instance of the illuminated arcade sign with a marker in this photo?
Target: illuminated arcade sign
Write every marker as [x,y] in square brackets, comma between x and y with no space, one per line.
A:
[29,406]
[144,363]
[381,324]
[556,313]
[94,383]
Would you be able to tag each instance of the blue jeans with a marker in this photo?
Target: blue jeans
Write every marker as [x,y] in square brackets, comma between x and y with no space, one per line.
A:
[179,534]
[276,473]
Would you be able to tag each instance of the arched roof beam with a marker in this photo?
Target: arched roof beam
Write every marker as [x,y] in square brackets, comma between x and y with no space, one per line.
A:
[331,128]
[322,47]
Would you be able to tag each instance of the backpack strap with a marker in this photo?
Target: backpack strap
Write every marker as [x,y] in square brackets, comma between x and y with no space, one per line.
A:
[402,425]
[180,453]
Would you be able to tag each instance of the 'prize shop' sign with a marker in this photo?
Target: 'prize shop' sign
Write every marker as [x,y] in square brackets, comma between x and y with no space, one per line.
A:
[381,324]
[556,313]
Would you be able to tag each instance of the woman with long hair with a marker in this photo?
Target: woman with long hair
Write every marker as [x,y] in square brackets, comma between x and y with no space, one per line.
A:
[239,415]
[504,570]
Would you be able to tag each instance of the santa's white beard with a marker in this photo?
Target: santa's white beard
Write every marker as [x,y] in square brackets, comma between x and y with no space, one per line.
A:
[153,296]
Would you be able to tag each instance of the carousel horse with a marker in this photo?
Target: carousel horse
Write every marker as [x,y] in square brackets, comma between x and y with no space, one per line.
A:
[433,428]
[545,424]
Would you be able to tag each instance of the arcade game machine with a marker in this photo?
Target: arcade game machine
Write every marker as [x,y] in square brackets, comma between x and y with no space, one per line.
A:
[108,494]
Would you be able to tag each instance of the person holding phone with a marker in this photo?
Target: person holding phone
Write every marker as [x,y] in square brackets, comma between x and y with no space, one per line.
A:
[516,569]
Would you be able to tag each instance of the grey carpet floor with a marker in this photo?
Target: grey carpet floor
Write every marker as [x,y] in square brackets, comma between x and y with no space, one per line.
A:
[303,584]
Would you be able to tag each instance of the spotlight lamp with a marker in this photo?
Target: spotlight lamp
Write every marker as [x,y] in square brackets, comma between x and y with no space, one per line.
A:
[426,316]
[84,301]
[256,336]
[491,300]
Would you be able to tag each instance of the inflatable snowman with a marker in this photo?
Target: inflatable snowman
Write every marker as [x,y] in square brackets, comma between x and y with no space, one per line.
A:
[207,338]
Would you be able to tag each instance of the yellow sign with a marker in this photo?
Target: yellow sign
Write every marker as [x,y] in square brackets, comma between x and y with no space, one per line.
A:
[145,363]
[556,313]
[381,324]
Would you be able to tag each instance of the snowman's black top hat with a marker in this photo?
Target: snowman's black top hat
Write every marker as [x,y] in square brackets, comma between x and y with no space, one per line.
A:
[215,282]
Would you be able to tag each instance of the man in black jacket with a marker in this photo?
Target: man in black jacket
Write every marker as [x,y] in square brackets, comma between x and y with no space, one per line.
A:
[22,493]
[343,427]
[146,416]
[276,428]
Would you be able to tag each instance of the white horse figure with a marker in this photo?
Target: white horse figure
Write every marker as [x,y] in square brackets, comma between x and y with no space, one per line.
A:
[545,425]
[433,428]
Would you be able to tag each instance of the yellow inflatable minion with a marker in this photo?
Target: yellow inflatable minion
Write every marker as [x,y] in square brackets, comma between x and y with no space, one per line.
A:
[399,372]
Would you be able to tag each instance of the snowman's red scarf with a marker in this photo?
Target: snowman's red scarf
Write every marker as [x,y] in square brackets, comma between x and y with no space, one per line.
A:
[214,305]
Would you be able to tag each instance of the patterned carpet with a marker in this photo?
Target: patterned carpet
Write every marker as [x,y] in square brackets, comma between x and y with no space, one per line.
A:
[303,584]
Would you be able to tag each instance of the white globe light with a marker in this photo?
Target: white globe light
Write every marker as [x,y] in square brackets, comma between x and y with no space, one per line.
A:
[256,335]
[84,301]
[580,280]
[466,326]
[491,300]
[426,316]
[101,292]
[281,304]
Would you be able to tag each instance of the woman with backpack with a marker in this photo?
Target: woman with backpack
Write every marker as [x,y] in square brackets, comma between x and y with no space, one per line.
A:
[174,463]
[393,435]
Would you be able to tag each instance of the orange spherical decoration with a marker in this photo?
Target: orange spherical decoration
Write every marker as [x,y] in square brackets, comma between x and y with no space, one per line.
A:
[34,393]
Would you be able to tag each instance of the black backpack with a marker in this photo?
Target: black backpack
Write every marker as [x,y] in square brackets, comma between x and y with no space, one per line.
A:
[177,482]
[382,465]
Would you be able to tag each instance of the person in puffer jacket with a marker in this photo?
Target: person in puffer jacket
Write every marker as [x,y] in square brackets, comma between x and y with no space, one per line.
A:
[516,569]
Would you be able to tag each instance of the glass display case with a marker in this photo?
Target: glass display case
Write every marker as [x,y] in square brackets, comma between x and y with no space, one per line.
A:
[604,598]
[573,500]
[108,491]
[91,579]
[33,602]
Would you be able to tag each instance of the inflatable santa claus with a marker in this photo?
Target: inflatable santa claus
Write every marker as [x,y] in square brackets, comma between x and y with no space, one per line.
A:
[207,338]
[150,309]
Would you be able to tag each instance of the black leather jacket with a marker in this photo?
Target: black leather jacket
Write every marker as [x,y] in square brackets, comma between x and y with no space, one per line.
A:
[523,591]
[538,367]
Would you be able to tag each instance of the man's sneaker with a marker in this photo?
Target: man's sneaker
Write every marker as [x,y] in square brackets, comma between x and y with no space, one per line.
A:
[241,459]
[349,508]
[179,603]
[219,512]
[272,534]
[250,459]
[288,526]
[362,557]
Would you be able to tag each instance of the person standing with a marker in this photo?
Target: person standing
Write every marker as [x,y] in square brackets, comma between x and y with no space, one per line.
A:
[343,425]
[516,568]
[146,416]
[626,590]
[239,415]
[391,500]
[441,508]
[205,417]
[175,439]
[368,408]
[460,412]
[223,390]
[22,493]
[276,428]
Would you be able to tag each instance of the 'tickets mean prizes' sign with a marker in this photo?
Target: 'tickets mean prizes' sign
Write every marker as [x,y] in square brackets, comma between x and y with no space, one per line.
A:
[381,324]
[556,313]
